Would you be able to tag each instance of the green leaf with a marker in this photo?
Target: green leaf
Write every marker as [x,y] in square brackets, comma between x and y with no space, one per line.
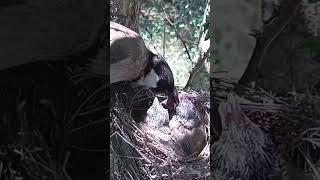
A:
[157,7]
[206,26]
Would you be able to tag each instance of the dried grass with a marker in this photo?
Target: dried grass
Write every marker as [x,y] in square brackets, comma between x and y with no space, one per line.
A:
[292,121]
[142,152]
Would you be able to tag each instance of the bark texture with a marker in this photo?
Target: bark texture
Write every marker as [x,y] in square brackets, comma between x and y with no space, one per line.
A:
[126,13]
[281,62]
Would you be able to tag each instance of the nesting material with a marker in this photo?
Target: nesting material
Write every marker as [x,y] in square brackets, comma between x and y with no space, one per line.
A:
[185,133]
[148,150]
[287,119]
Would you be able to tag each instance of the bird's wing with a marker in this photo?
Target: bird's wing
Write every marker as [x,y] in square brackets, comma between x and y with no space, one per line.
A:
[128,54]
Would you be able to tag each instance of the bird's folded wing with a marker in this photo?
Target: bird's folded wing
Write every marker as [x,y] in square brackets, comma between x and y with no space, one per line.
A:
[128,54]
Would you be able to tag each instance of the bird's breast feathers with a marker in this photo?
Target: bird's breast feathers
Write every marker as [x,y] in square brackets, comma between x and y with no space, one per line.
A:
[150,80]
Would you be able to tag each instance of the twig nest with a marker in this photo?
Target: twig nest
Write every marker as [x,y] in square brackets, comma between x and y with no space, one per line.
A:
[243,150]
[185,133]
[187,140]
[135,98]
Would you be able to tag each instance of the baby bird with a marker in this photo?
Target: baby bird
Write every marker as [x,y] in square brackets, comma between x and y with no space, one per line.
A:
[157,116]
[187,128]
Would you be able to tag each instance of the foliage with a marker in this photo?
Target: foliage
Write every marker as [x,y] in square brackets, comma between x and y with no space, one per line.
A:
[187,17]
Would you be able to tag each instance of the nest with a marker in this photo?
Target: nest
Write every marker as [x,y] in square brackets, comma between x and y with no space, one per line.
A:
[292,121]
[141,152]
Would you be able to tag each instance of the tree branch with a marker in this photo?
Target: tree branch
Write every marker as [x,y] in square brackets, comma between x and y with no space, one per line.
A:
[265,40]
[176,31]
[197,68]
[202,57]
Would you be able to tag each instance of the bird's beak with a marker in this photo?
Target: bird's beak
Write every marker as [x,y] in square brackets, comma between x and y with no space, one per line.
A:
[173,100]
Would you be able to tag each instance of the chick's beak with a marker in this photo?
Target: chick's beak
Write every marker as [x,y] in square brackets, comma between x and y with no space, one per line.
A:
[171,103]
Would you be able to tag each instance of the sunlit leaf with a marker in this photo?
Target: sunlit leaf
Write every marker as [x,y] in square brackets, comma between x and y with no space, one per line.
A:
[206,26]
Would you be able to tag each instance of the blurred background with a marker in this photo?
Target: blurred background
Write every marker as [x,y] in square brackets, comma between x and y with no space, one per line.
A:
[176,29]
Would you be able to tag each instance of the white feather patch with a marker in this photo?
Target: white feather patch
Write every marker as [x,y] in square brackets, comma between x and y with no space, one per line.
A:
[150,80]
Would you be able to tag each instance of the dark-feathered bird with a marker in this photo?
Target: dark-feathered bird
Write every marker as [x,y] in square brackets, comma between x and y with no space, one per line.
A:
[243,151]
[131,60]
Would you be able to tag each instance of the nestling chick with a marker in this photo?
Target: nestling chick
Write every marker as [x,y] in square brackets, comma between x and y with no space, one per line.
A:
[187,128]
[157,116]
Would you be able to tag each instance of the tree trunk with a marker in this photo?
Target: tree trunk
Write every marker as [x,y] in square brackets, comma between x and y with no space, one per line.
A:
[267,38]
[199,76]
[126,13]
[282,61]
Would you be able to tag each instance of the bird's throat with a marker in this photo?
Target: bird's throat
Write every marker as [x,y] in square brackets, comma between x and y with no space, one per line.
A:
[150,80]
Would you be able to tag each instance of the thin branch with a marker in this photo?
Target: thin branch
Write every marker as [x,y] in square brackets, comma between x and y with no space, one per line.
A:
[177,33]
[203,21]
[87,149]
[265,41]
[164,41]
[151,37]
[78,110]
[201,58]
[64,167]
[277,33]
[197,68]
[311,165]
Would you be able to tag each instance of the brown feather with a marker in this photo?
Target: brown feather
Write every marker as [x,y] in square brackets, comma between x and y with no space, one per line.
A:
[128,54]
